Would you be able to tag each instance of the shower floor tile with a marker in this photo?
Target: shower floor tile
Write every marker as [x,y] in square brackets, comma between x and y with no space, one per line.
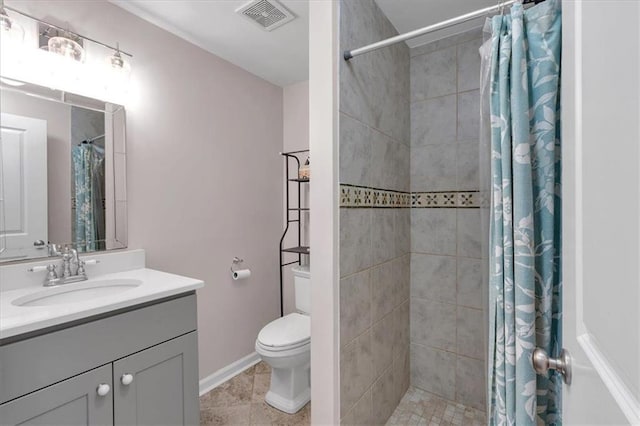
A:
[421,408]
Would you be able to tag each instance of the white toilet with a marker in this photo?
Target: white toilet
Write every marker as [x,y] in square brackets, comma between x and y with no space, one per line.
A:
[285,345]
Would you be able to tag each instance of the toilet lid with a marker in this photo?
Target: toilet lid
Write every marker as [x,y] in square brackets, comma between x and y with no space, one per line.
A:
[286,331]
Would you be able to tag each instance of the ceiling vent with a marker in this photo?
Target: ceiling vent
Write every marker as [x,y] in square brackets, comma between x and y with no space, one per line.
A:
[268,14]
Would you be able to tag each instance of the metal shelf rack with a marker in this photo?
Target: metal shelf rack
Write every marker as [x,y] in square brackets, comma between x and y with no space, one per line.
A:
[292,158]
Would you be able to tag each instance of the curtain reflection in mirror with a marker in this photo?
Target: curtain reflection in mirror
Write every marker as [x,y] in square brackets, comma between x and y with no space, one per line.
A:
[88,173]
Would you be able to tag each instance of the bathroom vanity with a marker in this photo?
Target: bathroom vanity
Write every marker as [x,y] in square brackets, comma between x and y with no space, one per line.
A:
[125,358]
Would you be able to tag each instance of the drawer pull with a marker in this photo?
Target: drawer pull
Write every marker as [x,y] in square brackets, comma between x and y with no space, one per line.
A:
[103,389]
[126,379]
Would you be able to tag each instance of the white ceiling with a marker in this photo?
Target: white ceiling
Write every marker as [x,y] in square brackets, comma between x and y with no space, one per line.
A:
[280,56]
[408,15]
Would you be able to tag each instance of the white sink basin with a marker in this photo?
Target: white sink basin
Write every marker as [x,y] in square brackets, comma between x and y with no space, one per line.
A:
[77,292]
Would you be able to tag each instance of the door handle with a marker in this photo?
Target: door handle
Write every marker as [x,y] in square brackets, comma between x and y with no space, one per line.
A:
[543,363]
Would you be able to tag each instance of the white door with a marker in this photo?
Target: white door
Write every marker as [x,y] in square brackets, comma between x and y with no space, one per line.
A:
[23,186]
[601,195]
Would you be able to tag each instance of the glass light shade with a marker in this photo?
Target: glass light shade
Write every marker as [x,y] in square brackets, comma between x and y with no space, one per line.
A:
[66,47]
[10,30]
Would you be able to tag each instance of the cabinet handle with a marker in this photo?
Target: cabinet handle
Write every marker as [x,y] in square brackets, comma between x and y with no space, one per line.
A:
[103,389]
[126,379]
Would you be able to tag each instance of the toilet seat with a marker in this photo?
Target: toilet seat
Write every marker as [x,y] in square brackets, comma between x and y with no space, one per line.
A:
[283,334]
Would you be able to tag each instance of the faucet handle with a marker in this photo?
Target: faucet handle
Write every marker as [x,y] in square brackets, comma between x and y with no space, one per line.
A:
[52,276]
[51,272]
[82,263]
[40,268]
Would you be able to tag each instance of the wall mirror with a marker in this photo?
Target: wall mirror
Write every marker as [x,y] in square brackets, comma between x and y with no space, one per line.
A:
[62,172]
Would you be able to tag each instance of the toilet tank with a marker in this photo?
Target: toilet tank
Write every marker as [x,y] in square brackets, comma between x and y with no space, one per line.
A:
[302,288]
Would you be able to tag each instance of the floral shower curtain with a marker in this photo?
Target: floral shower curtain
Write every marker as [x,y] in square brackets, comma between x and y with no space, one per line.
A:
[88,170]
[524,225]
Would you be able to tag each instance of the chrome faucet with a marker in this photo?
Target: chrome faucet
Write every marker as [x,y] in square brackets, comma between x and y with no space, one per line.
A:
[70,260]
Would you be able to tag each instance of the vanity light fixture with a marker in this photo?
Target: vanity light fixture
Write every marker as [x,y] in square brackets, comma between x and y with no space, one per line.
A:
[9,28]
[116,60]
[68,61]
[66,46]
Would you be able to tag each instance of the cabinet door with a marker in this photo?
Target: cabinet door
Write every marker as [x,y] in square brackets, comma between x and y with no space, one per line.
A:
[158,386]
[72,402]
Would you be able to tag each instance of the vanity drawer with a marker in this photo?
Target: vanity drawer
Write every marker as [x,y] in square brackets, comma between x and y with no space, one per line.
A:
[31,364]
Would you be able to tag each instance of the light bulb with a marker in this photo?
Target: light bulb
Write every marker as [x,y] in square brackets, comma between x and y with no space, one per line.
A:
[65,46]
[10,30]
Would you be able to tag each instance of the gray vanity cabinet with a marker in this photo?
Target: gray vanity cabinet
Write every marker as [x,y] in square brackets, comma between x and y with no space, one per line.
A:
[158,386]
[72,402]
[146,354]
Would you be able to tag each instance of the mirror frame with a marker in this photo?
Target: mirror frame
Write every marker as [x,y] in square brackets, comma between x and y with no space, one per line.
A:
[115,166]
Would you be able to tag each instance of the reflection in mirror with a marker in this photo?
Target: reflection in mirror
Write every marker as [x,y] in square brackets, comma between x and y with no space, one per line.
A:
[62,172]
[87,183]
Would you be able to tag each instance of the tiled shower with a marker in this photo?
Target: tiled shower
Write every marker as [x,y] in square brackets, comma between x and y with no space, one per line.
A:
[411,299]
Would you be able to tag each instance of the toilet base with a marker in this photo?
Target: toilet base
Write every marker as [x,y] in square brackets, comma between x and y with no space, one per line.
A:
[290,388]
[290,406]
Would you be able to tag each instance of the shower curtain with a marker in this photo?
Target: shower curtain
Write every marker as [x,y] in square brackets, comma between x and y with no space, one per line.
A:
[521,64]
[88,170]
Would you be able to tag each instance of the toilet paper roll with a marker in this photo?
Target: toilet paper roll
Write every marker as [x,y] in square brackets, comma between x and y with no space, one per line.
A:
[241,274]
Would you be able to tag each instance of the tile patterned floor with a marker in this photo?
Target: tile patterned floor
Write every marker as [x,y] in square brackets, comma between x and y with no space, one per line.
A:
[240,401]
[421,408]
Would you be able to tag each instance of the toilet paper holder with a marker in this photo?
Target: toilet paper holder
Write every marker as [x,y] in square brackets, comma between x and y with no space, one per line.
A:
[235,262]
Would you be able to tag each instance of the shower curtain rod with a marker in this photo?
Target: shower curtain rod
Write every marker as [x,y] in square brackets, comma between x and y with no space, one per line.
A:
[348,54]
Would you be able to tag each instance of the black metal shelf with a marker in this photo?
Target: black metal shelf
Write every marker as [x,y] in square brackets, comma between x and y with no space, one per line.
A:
[299,250]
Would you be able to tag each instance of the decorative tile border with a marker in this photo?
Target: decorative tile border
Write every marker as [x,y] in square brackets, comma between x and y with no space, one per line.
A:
[352,196]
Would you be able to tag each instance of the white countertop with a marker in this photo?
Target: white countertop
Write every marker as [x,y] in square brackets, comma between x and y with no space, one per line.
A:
[15,320]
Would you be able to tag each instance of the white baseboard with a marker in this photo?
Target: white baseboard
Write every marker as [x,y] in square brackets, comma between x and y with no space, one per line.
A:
[219,377]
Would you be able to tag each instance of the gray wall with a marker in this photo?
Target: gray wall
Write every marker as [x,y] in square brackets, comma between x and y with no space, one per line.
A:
[447,333]
[374,238]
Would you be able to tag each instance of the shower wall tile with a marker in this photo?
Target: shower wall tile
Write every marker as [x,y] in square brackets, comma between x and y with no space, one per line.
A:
[383,235]
[402,231]
[401,329]
[433,231]
[382,333]
[361,413]
[402,277]
[355,152]
[355,306]
[389,163]
[434,167]
[443,43]
[433,277]
[366,91]
[469,283]
[355,240]
[433,370]
[402,371]
[356,371]
[433,122]
[469,233]
[383,396]
[469,116]
[433,74]
[469,65]
[468,164]
[447,327]
[433,324]
[470,382]
[383,283]
[469,338]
